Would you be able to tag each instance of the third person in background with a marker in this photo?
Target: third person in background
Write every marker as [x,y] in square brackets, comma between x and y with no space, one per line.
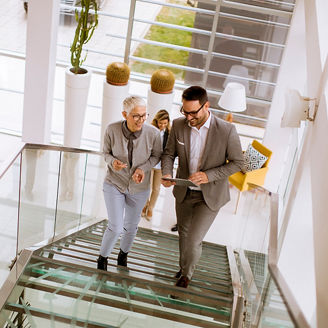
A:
[162,122]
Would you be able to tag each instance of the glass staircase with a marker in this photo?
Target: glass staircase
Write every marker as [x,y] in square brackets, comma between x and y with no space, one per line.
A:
[60,285]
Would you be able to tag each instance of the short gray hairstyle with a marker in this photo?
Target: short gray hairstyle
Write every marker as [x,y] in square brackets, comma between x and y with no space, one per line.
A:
[131,102]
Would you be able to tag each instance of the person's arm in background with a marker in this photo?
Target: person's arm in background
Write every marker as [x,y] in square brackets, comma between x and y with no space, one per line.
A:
[168,157]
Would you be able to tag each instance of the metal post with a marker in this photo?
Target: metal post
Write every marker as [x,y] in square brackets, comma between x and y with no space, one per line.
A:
[211,43]
[129,32]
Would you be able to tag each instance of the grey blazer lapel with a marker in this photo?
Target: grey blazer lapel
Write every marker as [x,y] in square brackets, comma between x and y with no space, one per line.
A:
[186,139]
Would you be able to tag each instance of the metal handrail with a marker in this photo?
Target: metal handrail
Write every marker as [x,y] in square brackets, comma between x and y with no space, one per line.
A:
[4,167]
[238,296]
[293,308]
[62,148]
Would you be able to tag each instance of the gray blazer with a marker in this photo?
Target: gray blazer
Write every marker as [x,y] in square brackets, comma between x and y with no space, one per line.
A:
[147,150]
[222,157]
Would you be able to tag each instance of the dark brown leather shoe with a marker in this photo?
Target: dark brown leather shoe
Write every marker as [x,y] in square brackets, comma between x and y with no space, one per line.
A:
[183,282]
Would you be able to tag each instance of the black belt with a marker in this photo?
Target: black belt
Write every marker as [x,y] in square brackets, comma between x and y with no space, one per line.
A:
[193,190]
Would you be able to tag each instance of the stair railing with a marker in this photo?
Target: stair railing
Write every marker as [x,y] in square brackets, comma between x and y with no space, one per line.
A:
[288,298]
[31,180]
[238,297]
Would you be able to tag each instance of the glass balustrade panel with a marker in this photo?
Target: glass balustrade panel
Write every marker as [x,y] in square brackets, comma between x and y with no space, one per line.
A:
[274,313]
[71,190]
[252,260]
[38,196]
[93,205]
[9,200]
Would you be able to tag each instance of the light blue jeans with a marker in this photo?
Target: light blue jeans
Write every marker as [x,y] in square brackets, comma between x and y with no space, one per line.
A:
[124,212]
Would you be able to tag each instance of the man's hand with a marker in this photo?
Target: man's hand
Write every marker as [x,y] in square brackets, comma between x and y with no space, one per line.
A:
[118,165]
[166,183]
[138,176]
[199,178]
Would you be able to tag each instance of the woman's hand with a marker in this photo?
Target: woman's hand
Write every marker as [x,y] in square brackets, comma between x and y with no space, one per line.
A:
[138,176]
[118,165]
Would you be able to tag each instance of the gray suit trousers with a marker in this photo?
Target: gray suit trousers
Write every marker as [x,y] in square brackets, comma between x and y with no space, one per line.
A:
[194,219]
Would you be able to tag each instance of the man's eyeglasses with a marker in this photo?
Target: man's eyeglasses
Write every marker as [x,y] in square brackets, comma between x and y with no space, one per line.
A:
[193,113]
[138,117]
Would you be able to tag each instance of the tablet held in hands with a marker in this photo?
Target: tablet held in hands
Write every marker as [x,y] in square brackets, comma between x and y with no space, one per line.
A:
[180,182]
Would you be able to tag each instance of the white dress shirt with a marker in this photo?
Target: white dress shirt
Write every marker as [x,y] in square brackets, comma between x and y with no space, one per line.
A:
[197,145]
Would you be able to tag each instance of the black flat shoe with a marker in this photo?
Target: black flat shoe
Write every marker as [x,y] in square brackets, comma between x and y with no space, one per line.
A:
[102,263]
[122,259]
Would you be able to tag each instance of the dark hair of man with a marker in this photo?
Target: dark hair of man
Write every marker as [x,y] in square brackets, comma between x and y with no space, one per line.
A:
[195,93]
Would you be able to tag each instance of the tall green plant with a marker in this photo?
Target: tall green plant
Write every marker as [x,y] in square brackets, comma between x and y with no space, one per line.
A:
[86,24]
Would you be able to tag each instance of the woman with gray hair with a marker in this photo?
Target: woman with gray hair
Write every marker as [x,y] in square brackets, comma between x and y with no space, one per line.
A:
[131,149]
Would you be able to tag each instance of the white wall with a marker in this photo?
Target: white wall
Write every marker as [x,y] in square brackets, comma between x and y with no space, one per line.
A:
[292,74]
[303,258]
[296,260]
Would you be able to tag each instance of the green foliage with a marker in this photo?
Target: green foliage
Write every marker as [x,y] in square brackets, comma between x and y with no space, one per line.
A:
[86,24]
[166,35]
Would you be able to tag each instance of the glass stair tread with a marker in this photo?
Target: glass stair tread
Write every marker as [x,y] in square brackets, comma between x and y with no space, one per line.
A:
[210,284]
[64,272]
[58,282]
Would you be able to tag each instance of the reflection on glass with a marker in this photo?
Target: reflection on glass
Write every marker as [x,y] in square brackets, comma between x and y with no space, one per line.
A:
[71,188]
[39,196]
[86,296]
[93,203]
[275,312]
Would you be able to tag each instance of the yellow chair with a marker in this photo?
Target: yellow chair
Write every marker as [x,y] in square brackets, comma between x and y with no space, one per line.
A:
[241,180]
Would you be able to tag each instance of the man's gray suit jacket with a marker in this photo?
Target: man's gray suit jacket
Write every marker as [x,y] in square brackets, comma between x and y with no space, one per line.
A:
[222,157]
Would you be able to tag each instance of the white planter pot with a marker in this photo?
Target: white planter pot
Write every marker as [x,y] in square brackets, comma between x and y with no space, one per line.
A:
[76,96]
[112,107]
[157,101]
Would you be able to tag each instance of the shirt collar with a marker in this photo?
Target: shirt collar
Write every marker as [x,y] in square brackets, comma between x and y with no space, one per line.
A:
[206,124]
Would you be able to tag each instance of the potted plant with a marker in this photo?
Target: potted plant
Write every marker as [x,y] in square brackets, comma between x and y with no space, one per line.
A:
[77,79]
[115,90]
[77,83]
[160,94]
